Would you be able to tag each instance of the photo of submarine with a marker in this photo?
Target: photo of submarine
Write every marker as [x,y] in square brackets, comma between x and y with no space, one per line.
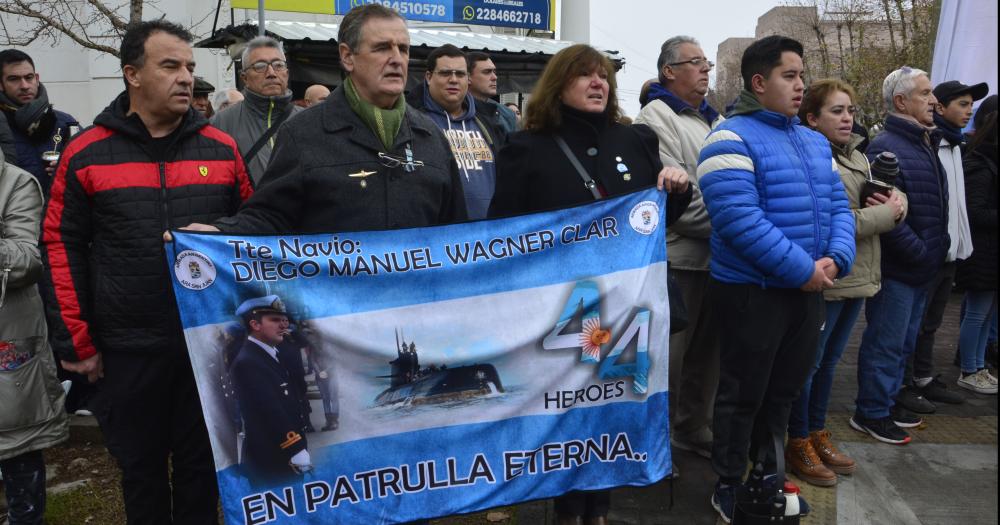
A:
[412,385]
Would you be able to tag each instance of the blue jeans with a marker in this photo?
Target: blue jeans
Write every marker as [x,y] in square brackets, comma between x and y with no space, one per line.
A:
[980,307]
[809,411]
[894,317]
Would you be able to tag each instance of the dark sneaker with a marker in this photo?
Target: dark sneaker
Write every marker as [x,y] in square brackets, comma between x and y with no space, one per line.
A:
[903,418]
[724,501]
[912,400]
[938,392]
[882,429]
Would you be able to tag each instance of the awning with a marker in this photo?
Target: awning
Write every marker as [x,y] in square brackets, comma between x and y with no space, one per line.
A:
[311,49]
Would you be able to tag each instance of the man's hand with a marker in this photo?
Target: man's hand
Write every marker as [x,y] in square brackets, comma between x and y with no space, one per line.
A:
[819,280]
[194,227]
[92,367]
[672,180]
[50,168]
[829,267]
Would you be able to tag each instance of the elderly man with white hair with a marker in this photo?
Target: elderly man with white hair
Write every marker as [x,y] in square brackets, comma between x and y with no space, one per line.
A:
[225,98]
[912,254]
[267,103]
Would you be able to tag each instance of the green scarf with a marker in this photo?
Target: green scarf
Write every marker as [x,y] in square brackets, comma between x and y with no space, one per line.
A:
[384,122]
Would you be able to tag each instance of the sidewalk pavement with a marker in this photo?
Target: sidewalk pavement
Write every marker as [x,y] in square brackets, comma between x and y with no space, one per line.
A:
[947,475]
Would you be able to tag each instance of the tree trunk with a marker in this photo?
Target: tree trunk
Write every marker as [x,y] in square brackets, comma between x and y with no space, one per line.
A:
[888,23]
[840,47]
[135,12]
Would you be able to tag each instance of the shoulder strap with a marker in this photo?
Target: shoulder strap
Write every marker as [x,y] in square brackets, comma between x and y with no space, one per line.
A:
[268,133]
[587,181]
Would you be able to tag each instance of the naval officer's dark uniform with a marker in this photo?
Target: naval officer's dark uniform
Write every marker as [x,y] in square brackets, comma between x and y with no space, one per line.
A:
[271,415]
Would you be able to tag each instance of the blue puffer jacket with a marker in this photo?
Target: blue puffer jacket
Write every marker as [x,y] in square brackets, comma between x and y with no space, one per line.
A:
[915,250]
[775,200]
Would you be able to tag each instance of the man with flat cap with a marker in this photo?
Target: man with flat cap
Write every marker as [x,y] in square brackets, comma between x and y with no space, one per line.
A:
[274,448]
[202,89]
[952,113]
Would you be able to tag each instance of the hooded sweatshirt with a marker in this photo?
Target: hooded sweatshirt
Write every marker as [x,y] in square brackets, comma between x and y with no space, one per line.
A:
[471,145]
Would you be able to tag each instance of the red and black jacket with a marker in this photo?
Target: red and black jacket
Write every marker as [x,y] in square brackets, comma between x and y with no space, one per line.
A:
[111,201]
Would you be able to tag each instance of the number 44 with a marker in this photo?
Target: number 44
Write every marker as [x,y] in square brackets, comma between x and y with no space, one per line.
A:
[587,298]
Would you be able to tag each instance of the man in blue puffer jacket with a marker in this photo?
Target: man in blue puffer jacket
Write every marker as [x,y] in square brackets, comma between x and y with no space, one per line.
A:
[912,254]
[782,231]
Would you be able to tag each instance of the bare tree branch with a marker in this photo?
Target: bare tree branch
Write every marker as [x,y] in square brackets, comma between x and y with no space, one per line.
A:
[116,21]
[90,24]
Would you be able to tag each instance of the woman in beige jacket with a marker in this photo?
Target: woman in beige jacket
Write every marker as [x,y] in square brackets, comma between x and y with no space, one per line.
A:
[828,108]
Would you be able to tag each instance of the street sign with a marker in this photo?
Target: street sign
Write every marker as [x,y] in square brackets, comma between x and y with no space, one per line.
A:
[525,14]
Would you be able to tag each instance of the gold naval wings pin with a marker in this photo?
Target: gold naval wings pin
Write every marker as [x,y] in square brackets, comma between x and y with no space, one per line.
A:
[362,174]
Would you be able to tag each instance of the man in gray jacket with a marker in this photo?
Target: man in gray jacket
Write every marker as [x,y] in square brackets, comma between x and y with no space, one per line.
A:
[680,116]
[32,417]
[267,103]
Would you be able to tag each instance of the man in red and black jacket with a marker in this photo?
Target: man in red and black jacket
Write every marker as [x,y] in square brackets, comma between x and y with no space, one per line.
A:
[150,163]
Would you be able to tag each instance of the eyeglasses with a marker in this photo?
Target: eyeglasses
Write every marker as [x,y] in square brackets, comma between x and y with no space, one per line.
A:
[448,73]
[696,62]
[391,161]
[277,65]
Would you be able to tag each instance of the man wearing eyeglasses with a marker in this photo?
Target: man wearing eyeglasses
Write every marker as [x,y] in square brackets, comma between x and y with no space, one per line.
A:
[681,118]
[267,103]
[467,123]
[363,159]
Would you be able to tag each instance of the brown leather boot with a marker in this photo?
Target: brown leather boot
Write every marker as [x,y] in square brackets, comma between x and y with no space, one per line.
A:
[804,463]
[834,459]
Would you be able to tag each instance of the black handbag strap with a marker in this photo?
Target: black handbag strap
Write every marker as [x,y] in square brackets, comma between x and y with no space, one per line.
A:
[268,133]
[587,181]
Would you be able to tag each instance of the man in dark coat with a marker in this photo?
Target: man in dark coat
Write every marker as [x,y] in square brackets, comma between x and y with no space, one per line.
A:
[150,163]
[274,447]
[912,254]
[32,119]
[362,159]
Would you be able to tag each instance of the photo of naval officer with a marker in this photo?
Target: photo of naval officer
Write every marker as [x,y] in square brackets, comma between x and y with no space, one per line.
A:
[274,446]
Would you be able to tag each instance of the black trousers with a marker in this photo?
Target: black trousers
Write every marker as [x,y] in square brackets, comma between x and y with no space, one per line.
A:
[768,341]
[586,504]
[24,483]
[150,415]
[921,362]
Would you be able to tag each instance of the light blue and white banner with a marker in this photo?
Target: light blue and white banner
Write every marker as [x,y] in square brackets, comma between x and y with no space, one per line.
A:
[447,369]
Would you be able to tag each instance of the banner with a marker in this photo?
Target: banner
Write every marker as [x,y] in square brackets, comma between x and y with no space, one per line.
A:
[445,370]
[526,14]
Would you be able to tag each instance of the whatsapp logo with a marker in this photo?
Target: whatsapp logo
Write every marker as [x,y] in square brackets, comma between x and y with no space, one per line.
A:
[468,13]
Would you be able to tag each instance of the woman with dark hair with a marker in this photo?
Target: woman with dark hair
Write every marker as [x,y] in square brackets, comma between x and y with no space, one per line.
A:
[575,102]
[977,275]
[828,107]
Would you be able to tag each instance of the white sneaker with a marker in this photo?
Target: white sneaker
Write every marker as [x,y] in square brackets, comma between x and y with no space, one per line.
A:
[989,377]
[978,383]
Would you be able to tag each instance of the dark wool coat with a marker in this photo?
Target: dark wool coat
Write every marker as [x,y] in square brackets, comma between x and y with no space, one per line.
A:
[325,175]
[979,271]
[534,175]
